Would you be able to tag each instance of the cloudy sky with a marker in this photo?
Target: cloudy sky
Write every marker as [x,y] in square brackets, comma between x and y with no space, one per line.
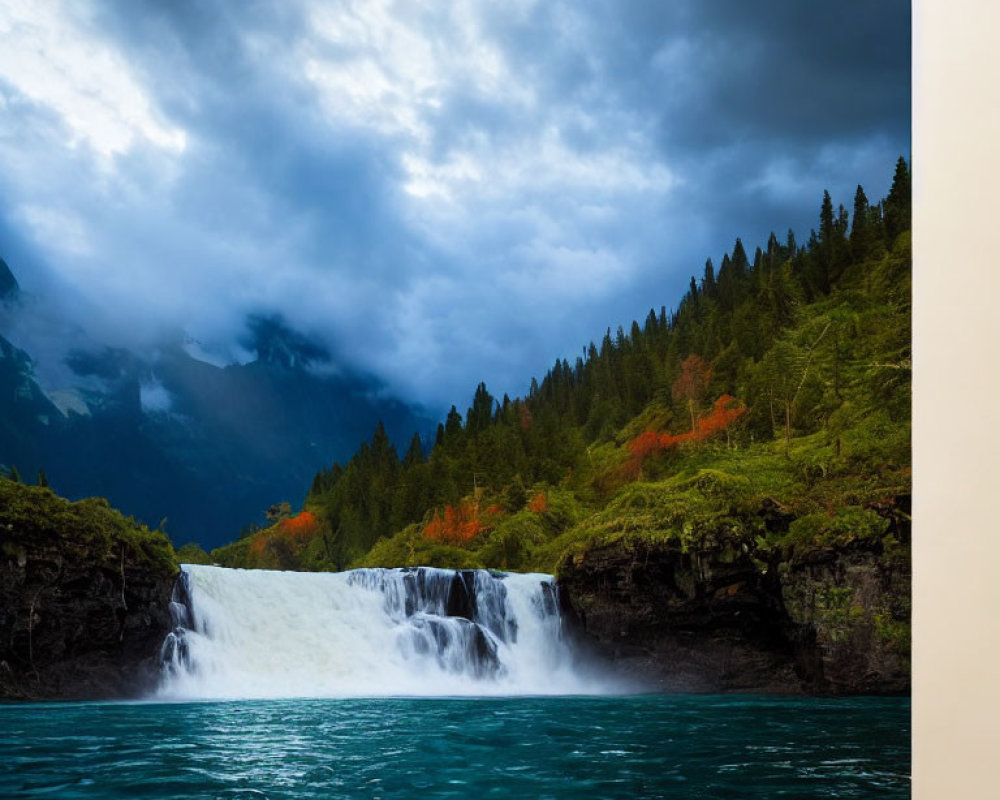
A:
[440,192]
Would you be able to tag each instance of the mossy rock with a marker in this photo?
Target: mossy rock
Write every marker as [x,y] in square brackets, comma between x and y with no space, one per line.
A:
[34,516]
[840,528]
[719,486]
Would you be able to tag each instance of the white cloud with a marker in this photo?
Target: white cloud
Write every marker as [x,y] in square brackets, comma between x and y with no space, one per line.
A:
[154,397]
[50,55]
[538,164]
[393,73]
[569,273]
[65,231]
[442,191]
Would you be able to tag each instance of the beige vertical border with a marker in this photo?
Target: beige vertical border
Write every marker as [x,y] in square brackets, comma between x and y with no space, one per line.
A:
[956,185]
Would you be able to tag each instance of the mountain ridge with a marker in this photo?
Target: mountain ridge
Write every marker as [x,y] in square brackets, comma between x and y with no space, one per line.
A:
[206,448]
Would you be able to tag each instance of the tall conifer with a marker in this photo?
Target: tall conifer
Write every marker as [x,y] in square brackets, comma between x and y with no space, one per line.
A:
[897,204]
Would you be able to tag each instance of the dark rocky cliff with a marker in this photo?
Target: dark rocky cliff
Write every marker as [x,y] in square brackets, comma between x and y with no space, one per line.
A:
[819,620]
[84,598]
[854,604]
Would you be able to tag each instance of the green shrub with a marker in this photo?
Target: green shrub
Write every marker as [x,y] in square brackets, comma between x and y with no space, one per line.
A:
[715,485]
[843,526]
[508,545]
[90,530]
[410,548]
[192,553]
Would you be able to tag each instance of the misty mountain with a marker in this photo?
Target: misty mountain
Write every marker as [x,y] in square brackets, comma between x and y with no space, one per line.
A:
[171,436]
[8,285]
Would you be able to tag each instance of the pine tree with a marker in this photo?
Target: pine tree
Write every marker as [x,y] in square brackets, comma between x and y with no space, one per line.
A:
[774,253]
[415,453]
[651,328]
[860,225]
[859,222]
[727,285]
[480,416]
[708,286]
[825,251]
[841,256]
[739,259]
[897,204]
[452,427]
[826,222]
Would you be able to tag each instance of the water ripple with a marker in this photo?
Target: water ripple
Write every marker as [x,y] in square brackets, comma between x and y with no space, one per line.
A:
[653,746]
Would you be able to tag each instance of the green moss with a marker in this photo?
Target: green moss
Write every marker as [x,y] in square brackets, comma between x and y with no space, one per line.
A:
[734,491]
[876,442]
[835,612]
[33,517]
[842,527]
[895,634]
[699,508]
[694,509]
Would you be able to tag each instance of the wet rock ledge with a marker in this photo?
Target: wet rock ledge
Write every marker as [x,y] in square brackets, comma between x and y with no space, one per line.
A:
[820,621]
[84,598]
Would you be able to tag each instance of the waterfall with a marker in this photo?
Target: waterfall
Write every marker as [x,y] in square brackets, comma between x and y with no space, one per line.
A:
[367,632]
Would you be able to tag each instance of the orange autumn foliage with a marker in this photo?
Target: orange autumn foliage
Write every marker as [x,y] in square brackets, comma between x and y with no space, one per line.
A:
[300,526]
[721,416]
[644,444]
[294,530]
[725,411]
[258,544]
[456,526]
[539,503]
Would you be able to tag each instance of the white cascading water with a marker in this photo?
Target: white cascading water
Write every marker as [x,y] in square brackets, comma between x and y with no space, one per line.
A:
[369,632]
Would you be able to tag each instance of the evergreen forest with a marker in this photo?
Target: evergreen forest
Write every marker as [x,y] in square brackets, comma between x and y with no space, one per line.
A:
[769,409]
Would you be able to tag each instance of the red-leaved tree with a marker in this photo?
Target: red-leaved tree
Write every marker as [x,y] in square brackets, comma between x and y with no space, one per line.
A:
[456,525]
[280,546]
[725,411]
[692,384]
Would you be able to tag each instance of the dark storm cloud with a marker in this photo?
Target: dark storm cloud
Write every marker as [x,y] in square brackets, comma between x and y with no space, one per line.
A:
[256,130]
[794,74]
[440,193]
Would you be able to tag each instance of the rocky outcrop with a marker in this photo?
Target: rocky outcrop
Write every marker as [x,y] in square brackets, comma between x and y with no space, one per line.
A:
[81,615]
[855,602]
[79,630]
[823,621]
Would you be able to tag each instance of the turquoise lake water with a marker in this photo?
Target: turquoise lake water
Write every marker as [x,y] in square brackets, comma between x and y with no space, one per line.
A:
[556,747]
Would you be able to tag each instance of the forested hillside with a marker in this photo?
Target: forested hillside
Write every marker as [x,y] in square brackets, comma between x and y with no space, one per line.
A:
[770,409]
